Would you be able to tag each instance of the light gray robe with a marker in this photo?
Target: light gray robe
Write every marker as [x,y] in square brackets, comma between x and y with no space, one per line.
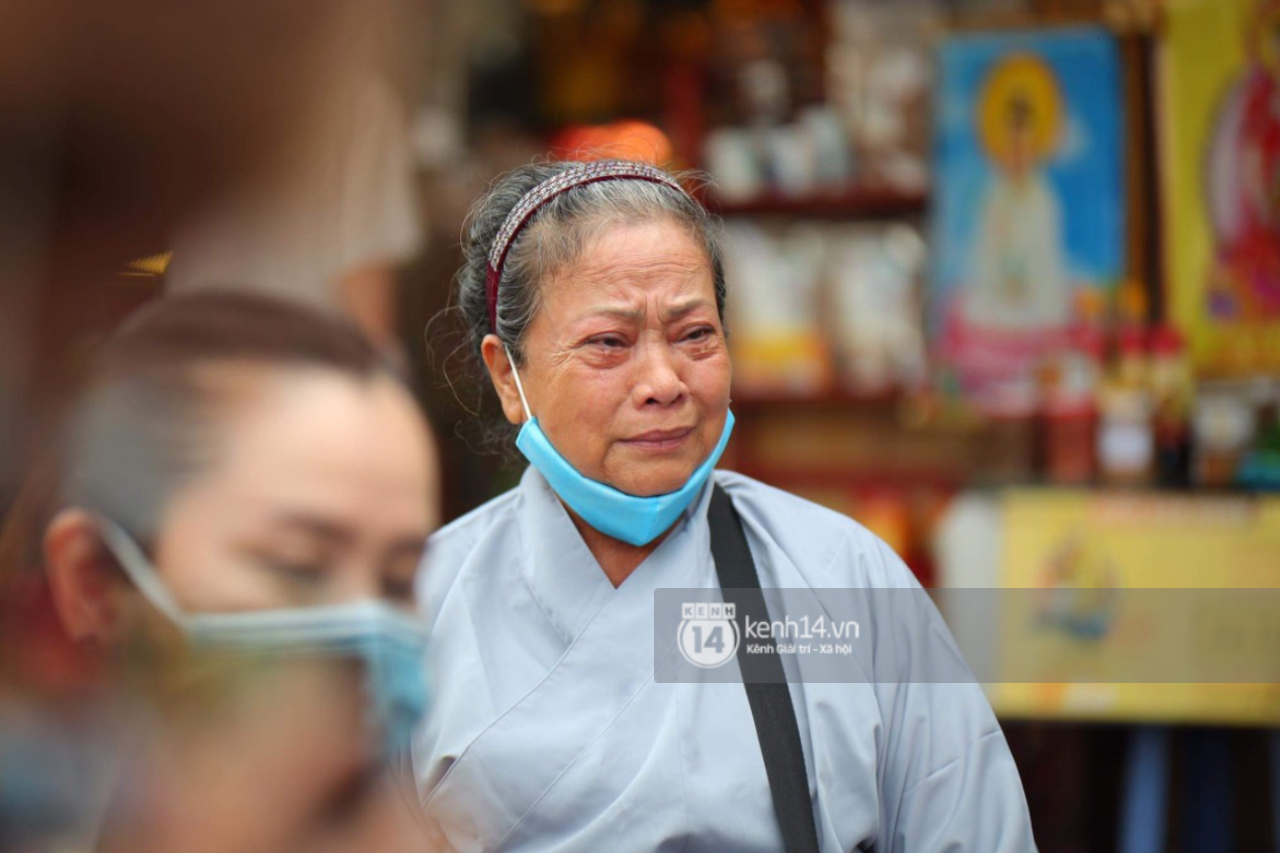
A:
[549,732]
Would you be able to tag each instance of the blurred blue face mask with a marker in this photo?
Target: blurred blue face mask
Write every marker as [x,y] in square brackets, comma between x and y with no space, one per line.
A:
[630,518]
[390,645]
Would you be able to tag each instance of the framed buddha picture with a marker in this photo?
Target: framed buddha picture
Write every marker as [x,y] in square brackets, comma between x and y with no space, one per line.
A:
[1029,207]
[1219,125]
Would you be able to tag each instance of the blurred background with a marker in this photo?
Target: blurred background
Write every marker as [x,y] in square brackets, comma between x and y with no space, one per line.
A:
[1004,282]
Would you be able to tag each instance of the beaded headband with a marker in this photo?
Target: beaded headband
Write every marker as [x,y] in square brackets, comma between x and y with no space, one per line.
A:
[532,202]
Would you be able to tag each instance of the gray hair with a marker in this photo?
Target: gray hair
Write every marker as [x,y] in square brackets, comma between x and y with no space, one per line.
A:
[555,238]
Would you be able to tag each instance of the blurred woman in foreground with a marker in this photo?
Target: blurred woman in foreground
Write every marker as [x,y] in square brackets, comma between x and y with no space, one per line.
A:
[232,528]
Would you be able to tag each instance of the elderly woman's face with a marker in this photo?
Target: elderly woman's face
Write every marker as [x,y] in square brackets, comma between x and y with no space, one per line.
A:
[626,365]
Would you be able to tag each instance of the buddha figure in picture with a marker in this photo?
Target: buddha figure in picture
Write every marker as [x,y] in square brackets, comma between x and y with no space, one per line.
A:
[1243,181]
[1017,281]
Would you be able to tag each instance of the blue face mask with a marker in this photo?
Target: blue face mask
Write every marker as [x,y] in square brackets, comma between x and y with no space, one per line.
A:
[390,645]
[630,518]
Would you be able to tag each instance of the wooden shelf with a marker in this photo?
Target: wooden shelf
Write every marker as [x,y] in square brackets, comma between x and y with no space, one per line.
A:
[860,203]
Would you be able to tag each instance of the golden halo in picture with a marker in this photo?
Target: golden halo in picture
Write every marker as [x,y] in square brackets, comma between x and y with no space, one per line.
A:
[1022,88]
[1264,35]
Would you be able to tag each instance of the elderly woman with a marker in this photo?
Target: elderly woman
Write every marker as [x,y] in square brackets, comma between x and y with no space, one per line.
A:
[595,298]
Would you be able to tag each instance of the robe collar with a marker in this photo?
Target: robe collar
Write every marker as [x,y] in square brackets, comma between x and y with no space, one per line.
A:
[565,577]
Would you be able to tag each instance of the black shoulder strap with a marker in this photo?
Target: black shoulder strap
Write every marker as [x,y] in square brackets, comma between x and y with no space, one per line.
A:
[763,676]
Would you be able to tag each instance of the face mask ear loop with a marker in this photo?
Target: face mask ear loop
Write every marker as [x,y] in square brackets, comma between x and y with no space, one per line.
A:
[523,401]
[138,568]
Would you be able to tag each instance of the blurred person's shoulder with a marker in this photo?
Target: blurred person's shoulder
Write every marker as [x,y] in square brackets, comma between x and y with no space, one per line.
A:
[828,548]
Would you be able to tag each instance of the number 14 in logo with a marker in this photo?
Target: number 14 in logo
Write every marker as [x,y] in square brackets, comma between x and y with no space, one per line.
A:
[708,635]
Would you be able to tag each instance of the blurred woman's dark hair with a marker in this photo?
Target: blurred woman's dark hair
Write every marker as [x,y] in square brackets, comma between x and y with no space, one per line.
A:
[147,417]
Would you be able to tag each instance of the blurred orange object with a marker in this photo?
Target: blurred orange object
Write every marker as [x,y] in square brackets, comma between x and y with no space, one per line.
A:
[622,140]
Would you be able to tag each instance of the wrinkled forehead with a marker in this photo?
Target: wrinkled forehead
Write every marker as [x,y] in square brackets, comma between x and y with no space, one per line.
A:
[656,259]
[564,247]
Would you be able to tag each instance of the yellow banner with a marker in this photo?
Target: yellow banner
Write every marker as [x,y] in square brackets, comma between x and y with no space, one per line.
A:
[1131,588]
